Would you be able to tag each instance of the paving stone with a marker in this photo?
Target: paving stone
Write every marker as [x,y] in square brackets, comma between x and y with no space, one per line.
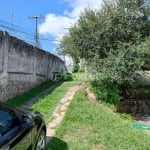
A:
[55,114]
[50,133]
[52,125]
[62,113]
[58,120]
[60,110]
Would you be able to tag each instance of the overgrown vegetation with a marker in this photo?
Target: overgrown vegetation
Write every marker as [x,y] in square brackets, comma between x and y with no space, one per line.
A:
[91,126]
[113,41]
[76,68]
[109,94]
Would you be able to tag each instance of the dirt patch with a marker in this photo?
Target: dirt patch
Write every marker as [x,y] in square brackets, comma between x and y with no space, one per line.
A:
[91,95]
[134,107]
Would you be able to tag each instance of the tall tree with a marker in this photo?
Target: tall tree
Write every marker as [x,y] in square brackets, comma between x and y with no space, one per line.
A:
[107,38]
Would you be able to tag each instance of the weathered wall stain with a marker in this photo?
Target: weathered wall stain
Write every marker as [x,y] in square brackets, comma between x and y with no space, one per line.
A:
[23,66]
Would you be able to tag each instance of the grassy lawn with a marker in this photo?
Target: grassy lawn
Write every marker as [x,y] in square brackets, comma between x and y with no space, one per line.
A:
[91,126]
[47,104]
[22,98]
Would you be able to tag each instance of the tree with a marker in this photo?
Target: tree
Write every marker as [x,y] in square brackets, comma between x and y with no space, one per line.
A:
[107,38]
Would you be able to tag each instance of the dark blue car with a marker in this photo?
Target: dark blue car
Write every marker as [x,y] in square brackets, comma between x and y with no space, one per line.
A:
[21,129]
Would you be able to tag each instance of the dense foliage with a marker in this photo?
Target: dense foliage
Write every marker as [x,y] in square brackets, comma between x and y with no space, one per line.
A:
[75,68]
[112,41]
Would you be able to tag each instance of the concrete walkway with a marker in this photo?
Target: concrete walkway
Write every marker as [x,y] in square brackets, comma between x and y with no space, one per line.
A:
[59,112]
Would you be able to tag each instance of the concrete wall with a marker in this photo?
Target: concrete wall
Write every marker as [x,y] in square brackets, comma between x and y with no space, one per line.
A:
[23,66]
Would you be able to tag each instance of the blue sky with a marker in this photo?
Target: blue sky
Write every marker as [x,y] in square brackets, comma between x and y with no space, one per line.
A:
[59,14]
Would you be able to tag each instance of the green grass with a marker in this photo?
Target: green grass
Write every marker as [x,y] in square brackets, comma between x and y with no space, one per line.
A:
[91,126]
[81,77]
[22,98]
[47,104]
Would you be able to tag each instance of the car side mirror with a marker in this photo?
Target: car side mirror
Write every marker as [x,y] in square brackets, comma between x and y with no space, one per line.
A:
[27,120]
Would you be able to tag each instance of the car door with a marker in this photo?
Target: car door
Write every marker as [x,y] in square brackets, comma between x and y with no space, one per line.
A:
[13,134]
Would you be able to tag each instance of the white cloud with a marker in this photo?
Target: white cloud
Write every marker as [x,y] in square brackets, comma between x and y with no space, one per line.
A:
[79,6]
[56,24]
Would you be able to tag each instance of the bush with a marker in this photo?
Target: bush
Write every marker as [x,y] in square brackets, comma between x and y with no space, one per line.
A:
[143,51]
[107,94]
[81,70]
[75,68]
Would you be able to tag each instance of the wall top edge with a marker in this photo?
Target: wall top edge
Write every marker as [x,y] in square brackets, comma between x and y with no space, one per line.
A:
[5,33]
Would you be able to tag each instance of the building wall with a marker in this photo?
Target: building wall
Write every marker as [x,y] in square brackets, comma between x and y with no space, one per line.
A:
[23,66]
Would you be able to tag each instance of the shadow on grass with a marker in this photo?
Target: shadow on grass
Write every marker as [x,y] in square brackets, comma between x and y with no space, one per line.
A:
[43,94]
[56,144]
[33,95]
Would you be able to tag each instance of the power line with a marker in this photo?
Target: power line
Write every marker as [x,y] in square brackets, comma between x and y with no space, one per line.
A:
[51,40]
[17,31]
[36,29]
[25,34]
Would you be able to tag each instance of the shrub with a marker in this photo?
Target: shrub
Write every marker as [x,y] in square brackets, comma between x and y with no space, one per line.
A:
[75,68]
[81,70]
[109,94]
[143,51]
